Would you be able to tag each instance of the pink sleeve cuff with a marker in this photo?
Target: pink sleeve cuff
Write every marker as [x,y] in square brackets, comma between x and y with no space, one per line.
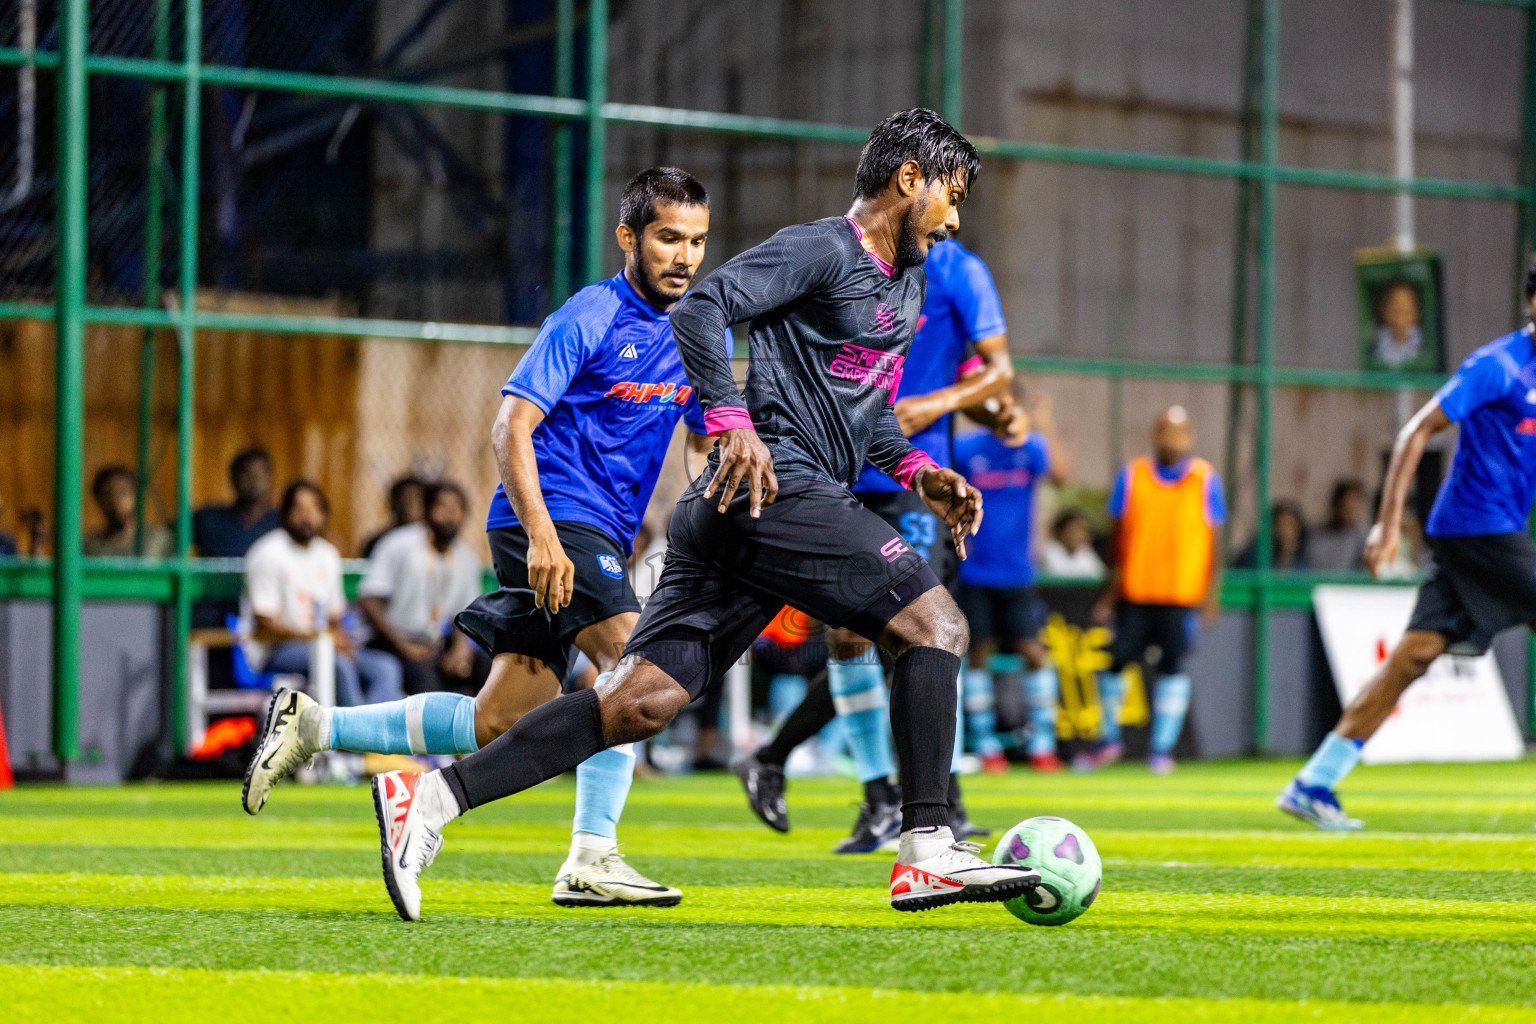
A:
[910,465]
[729,417]
[970,366]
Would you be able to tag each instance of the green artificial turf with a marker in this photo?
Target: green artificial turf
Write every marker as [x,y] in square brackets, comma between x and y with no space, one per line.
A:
[168,903]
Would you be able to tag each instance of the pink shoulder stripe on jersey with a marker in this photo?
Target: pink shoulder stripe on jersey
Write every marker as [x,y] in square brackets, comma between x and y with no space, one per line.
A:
[970,366]
[727,417]
[885,268]
[907,471]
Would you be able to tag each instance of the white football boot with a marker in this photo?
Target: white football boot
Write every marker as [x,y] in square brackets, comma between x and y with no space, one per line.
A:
[932,870]
[607,880]
[407,843]
[294,724]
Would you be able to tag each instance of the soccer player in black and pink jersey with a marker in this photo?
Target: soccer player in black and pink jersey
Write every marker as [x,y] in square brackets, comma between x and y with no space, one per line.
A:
[832,307]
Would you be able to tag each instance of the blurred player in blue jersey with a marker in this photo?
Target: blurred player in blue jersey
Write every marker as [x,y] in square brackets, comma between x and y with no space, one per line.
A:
[959,360]
[997,583]
[585,422]
[1483,580]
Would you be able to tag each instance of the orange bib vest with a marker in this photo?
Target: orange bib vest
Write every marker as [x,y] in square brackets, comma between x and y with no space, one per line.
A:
[1165,536]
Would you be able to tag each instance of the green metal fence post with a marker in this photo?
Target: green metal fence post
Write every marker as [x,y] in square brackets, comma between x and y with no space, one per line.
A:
[925,55]
[597,130]
[565,70]
[154,200]
[69,356]
[186,336]
[1269,144]
[954,44]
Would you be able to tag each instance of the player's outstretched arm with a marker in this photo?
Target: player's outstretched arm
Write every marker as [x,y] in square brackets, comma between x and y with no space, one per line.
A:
[551,575]
[1382,542]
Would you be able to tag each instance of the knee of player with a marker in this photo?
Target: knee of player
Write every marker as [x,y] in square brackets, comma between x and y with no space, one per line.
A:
[949,630]
[1417,652]
[492,720]
[1034,655]
[640,711]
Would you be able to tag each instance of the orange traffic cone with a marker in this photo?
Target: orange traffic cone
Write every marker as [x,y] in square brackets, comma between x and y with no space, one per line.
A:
[6,780]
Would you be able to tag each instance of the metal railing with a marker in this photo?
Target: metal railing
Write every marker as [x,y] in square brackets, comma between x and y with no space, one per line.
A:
[70,579]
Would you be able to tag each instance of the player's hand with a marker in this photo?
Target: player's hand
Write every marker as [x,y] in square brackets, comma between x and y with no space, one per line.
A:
[954,500]
[744,457]
[1013,425]
[1381,548]
[550,573]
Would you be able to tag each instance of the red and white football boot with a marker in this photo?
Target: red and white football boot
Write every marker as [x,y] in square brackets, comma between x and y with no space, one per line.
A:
[932,871]
[406,843]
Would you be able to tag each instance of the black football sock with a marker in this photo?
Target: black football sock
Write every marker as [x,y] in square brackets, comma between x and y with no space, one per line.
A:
[923,726]
[881,793]
[956,805]
[546,742]
[809,718]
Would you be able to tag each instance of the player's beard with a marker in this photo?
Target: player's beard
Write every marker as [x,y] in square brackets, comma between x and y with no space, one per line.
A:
[909,249]
[649,288]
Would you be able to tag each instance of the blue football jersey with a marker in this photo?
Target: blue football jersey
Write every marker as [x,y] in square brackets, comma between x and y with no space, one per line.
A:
[605,370]
[1492,480]
[1001,554]
[961,308]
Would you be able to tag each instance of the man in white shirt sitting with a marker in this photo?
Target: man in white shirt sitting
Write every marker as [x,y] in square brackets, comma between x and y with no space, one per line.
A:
[1069,551]
[420,576]
[293,591]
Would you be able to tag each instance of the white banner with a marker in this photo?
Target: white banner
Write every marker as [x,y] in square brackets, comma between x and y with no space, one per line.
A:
[1459,711]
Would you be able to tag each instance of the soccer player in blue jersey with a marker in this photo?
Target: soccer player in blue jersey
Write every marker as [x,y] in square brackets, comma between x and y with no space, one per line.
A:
[585,422]
[1483,580]
[959,360]
[997,583]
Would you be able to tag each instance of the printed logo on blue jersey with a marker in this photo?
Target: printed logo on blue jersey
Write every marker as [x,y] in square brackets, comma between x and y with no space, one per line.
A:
[611,566]
[629,351]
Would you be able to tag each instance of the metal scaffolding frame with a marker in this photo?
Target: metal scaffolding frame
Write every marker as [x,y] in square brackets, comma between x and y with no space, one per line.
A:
[178,581]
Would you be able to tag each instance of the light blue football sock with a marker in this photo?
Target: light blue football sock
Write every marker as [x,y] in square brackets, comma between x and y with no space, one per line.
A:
[785,692]
[1041,690]
[858,694]
[980,714]
[427,723]
[1335,758]
[959,751]
[602,786]
[1111,697]
[1170,703]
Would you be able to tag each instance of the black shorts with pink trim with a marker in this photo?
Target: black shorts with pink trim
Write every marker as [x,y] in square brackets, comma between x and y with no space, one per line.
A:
[727,575]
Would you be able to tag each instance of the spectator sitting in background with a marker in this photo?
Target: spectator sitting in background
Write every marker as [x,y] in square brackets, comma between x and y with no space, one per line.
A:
[1069,551]
[407,505]
[1289,531]
[228,531]
[293,591]
[115,489]
[421,576]
[1341,543]
[7,541]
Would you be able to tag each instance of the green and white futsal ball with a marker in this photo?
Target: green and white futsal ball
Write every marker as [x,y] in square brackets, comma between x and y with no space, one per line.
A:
[1069,866]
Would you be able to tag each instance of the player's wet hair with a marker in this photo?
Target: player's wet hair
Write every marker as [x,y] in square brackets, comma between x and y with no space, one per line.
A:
[1530,279]
[657,186]
[942,153]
